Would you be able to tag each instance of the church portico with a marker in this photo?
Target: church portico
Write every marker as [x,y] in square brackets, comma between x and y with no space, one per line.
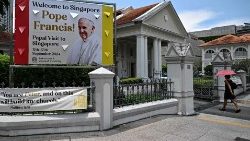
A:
[141,35]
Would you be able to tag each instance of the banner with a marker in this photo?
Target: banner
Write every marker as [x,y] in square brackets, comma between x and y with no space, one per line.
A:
[61,32]
[29,100]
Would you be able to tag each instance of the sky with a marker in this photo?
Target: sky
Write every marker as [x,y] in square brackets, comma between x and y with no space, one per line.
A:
[199,15]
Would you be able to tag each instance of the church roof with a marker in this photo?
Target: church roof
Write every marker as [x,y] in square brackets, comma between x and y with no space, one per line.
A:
[228,39]
[133,14]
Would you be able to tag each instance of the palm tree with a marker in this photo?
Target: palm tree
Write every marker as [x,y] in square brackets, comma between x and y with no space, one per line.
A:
[4,4]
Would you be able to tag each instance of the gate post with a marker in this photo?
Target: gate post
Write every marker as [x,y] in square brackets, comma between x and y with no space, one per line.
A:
[103,80]
[180,70]
[242,75]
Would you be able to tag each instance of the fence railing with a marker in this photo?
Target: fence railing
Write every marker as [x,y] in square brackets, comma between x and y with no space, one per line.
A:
[150,90]
[203,88]
[90,101]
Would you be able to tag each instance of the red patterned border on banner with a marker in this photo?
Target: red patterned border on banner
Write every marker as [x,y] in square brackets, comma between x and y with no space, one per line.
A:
[21,32]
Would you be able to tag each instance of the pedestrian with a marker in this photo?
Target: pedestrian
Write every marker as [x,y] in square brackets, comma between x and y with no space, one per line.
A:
[229,94]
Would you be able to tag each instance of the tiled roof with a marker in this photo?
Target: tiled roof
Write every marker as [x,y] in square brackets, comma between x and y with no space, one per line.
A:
[132,14]
[228,39]
[5,37]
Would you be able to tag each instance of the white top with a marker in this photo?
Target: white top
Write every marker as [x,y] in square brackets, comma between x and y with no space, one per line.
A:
[86,52]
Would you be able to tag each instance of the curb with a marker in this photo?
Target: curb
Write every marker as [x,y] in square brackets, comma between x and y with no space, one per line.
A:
[242,101]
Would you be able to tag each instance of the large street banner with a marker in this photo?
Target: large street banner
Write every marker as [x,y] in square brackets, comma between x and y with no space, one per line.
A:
[63,32]
[30,100]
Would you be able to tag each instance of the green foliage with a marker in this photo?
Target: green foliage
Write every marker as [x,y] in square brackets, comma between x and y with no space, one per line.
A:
[51,75]
[209,38]
[3,6]
[242,65]
[131,81]
[40,75]
[2,28]
[208,70]
[4,68]
[197,66]
[164,70]
[141,98]
[203,82]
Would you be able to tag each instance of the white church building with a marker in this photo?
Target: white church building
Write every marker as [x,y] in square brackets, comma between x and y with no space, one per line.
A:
[143,35]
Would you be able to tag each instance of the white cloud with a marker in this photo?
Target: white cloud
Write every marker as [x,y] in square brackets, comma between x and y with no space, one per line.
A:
[192,19]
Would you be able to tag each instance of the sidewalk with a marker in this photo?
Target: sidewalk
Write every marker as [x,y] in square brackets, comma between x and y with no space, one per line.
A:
[244,98]
[202,127]
[210,125]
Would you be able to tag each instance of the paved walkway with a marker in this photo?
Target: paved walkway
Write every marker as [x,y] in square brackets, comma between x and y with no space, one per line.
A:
[202,127]
[210,125]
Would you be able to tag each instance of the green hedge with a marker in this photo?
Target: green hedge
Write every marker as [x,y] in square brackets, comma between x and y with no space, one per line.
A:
[40,75]
[4,68]
[131,81]
[203,82]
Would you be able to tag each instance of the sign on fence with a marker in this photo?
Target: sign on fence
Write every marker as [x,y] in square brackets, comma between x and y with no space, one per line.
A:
[30,100]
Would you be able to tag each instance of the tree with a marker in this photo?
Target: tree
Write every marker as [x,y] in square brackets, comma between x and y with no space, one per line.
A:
[242,65]
[4,4]
[208,70]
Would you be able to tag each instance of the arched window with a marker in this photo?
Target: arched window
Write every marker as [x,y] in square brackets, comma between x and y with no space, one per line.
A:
[209,53]
[225,50]
[240,52]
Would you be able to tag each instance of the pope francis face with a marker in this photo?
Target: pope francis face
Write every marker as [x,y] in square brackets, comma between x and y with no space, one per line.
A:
[86,28]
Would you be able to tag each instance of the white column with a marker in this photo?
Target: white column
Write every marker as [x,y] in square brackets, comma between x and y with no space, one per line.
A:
[140,56]
[202,60]
[232,52]
[146,57]
[103,80]
[159,56]
[155,57]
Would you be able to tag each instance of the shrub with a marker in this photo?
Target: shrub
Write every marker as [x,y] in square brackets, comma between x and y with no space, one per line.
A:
[203,82]
[208,70]
[131,81]
[4,68]
[242,65]
[40,75]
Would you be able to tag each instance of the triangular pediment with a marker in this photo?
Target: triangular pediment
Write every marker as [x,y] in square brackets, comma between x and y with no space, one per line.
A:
[165,18]
[221,57]
[180,49]
[217,58]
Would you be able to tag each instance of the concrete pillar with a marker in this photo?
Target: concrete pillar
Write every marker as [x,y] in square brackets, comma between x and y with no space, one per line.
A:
[140,56]
[159,56]
[146,57]
[156,58]
[232,52]
[103,80]
[242,75]
[180,70]
[203,60]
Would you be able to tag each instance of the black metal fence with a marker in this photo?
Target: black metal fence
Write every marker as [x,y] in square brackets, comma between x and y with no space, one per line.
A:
[204,88]
[150,90]
[90,100]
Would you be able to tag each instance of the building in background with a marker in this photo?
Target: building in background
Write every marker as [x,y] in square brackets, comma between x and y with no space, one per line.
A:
[216,32]
[237,46]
